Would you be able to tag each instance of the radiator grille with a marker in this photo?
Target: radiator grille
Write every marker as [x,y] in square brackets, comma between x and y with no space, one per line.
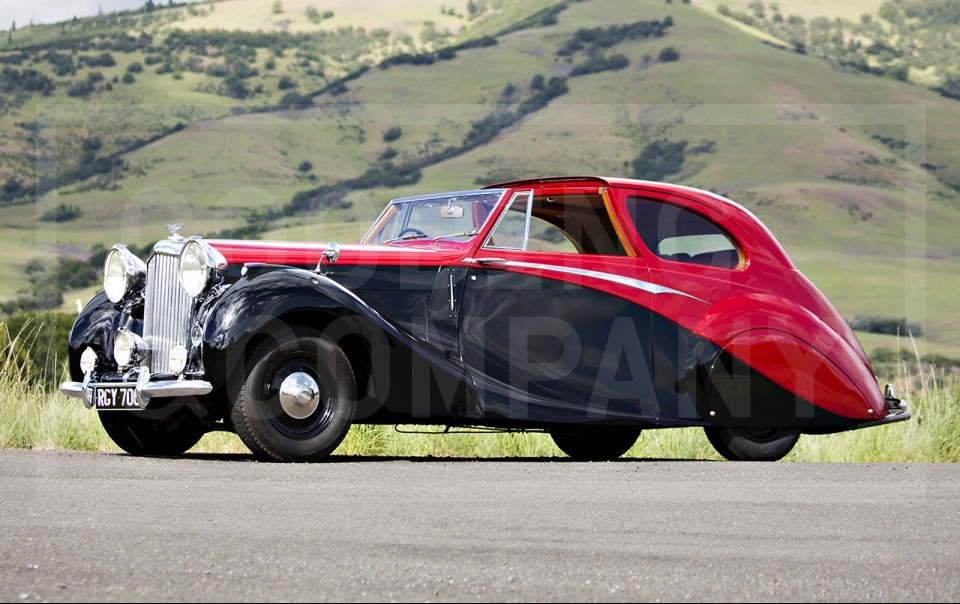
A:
[167,313]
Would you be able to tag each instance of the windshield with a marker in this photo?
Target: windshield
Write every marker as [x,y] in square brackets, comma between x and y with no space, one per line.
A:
[448,215]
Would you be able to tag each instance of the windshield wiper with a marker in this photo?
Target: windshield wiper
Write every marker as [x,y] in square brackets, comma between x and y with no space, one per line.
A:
[467,234]
[406,237]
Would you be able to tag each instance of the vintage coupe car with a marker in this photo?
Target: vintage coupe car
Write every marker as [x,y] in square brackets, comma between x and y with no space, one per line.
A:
[590,308]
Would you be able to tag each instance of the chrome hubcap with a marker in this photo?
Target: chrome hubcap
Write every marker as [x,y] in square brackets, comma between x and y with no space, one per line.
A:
[299,395]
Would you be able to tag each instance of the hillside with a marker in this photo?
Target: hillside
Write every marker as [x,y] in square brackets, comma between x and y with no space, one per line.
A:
[856,173]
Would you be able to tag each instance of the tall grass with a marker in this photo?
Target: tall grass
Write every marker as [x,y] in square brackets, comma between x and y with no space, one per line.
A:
[34,415]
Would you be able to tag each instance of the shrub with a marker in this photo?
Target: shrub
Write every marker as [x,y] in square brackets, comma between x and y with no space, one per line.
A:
[669,54]
[134,67]
[286,83]
[80,89]
[305,166]
[885,325]
[43,343]
[62,213]
[659,159]
[392,134]
[598,63]
[128,78]
[295,99]
[12,188]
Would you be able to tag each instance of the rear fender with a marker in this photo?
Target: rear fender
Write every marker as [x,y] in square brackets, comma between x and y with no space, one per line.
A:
[793,348]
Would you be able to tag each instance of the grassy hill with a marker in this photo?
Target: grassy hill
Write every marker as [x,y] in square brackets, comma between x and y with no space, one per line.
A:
[856,173]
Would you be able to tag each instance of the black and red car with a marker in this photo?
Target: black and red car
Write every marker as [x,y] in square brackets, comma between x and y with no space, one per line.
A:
[591,308]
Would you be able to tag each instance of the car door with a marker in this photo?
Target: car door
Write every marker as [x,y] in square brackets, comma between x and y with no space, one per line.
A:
[555,336]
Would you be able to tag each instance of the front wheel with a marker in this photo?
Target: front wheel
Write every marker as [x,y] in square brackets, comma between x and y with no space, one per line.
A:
[596,444]
[297,399]
[155,431]
[753,444]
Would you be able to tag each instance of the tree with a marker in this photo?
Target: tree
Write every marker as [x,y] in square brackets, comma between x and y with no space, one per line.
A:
[277,7]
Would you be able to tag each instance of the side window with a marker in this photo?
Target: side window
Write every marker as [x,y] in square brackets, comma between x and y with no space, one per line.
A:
[576,223]
[511,231]
[547,237]
[677,234]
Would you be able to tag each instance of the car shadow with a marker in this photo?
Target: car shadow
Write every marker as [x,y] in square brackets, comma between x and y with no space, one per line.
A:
[347,459]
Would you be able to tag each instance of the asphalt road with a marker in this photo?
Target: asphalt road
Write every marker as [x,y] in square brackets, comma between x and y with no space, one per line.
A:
[100,526]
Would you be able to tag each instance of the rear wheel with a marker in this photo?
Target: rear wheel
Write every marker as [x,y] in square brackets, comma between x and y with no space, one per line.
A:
[753,444]
[297,399]
[596,444]
[157,431]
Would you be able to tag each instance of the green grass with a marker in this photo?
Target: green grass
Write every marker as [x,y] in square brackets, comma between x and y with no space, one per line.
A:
[33,415]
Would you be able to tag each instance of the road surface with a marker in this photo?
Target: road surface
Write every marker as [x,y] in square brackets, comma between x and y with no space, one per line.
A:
[105,526]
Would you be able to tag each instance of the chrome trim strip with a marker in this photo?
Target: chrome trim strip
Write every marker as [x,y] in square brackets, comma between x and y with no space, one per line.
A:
[503,213]
[471,192]
[646,286]
[169,247]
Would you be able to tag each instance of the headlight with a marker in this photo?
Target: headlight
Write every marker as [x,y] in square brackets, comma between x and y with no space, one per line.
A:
[199,263]
[88,361]
[128,348]
[121,271]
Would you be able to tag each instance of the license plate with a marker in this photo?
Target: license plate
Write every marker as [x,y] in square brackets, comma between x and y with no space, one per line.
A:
[115,397]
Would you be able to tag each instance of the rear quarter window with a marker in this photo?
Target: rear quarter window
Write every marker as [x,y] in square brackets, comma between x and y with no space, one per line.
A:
[681,235]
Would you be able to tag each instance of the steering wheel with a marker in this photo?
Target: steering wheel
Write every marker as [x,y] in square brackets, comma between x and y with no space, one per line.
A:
[409,230]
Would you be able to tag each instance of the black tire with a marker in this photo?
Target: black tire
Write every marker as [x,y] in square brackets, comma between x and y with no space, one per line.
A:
[596,444]
[753,444]
[258,415]
[156,431]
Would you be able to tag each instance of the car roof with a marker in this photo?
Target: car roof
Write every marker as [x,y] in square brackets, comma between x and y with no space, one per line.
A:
[717,202]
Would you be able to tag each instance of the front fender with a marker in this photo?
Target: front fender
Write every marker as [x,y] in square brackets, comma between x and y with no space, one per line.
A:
[254,302]
[95,327]
[288,298]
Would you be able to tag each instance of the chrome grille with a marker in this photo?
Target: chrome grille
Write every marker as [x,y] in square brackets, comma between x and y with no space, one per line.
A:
[167,312]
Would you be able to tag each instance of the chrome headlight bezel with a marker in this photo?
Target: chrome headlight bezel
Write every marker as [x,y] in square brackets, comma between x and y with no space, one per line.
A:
[198,266]
[128,348]
[122,272]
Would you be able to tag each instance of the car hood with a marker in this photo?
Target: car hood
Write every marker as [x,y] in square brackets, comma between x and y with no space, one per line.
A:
[300,254]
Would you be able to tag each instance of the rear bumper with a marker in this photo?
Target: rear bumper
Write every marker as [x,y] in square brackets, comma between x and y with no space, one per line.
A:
[896,412]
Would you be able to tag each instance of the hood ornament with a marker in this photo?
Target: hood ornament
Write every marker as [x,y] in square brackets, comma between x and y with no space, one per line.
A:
[173,228]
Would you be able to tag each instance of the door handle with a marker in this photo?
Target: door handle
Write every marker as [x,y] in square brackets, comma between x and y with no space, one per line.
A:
[490,261]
